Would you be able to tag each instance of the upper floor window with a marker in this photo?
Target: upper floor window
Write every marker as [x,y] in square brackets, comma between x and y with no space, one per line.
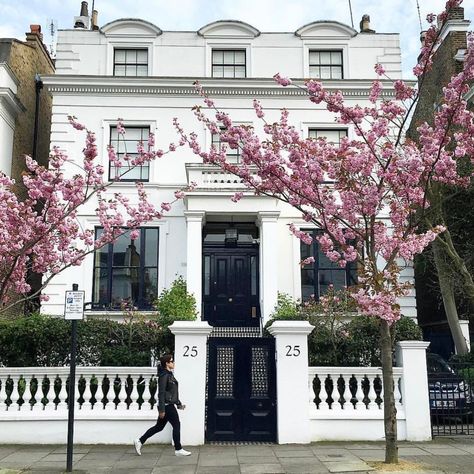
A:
[229,63]
[127,270]
[325,64]
[233,154]
[332,135]
[130,62]
[318,276]
[126,148]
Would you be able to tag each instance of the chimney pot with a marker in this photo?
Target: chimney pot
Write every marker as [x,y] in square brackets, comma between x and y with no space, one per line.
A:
[35,30]
[84,9]
[94,20]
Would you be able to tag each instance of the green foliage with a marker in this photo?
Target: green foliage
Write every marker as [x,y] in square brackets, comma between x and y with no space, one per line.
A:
[40,340]
[175,304]
[341,338]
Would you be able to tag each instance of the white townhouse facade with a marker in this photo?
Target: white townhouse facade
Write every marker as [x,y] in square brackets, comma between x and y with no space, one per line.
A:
[236,257]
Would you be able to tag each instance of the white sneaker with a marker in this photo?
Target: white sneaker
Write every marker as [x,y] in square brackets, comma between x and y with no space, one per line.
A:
[182,452]
[138,446]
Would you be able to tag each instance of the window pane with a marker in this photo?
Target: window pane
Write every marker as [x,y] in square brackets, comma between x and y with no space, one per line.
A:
[325,57]
[119,70]
[150,292]
[151,247]
[119,56]
[217,57]
[253,275]
[207,275]
[240,57]
[228,71]
[314,57]
[240,71]
[217,71]
[125,285]
[131,56]
[131,70]
[101,279]
[229,57]
[336,57]
[336,72]
[307,284]
[142,56]
[325,72]
[337,278]
[142,71]
[314,72]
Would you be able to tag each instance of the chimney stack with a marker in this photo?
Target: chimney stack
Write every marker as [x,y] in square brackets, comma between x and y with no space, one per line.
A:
[82,21]
[35,30]
[365,24]
[95,26]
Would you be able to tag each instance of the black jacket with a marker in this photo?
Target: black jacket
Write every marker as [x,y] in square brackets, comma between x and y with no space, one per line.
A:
[167,389]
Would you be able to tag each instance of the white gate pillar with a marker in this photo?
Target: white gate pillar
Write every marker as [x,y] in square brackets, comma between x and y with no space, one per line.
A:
[291,342]
[411,356]
[268,221]
[190,355]
[194,222]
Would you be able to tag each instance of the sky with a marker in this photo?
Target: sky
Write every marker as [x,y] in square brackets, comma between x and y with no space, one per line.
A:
[387,16]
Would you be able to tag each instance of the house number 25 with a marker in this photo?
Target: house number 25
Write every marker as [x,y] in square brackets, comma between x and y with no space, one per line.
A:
[292,351]
[190,351]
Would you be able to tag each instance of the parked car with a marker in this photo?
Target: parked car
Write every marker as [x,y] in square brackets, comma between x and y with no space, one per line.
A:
[450,394]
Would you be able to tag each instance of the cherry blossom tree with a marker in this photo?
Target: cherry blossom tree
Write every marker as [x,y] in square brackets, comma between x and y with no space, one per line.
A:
[367,195]
[42,233]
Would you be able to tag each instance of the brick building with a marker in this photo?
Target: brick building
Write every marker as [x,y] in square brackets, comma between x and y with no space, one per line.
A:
[20,61]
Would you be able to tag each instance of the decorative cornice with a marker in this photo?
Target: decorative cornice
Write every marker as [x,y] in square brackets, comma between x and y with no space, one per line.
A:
[183,86]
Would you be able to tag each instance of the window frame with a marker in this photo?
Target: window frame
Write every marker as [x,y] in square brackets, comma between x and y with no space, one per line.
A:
[350,270]
[330,65]
[129,125]
[228,65]
[341,45]
[228,44]
[141,270]
[125,64]
[327,129]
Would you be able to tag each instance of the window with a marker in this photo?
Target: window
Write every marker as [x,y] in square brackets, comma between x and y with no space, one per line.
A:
[228,63]
[127,144]
[325,64]
[233,155]
[316,277]
[127,270]
[332,135]
[130,62]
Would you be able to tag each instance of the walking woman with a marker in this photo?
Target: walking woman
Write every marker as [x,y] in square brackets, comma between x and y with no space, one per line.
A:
[168,401]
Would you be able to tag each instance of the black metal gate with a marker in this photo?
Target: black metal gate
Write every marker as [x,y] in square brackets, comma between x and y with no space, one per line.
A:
[451,390]
[241,390]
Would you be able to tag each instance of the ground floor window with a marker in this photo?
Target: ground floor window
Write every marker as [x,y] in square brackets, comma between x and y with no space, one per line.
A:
[127,270]
[316,277]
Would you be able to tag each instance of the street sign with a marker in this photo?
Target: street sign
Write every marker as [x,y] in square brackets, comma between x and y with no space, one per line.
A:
[74,305]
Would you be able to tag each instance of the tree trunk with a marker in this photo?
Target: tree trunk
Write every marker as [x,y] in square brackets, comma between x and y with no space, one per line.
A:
[445,279]
[390,411]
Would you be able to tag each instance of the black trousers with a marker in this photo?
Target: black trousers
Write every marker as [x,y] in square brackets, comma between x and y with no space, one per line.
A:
[171,415]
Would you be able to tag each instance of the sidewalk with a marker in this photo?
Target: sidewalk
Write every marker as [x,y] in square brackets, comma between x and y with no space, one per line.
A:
[444,455]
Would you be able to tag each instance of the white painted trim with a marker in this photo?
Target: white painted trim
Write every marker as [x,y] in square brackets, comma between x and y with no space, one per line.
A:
[231,43]
[125,43]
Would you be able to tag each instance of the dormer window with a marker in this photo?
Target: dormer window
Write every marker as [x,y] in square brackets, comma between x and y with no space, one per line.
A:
[131,62]
[229,63]
[325,64]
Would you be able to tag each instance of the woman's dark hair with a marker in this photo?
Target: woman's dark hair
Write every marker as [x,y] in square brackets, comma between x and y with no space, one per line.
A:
[165,359]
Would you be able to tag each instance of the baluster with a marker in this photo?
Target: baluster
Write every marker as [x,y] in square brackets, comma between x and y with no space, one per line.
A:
[87,394]
[122,396]
[146,394]
[110,405]
[359,393]
[62,396]
[15,395]
[346,394]
[99,394]
[134,393]
[381,392]
[323,395]
[371,395]
[396,391]
[3,393]
[336,404]
[51,406]
[28,394]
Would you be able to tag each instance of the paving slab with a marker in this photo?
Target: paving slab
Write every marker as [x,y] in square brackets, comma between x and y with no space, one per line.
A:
[257,459]
[348,466]
[210,460]
[339,455]
[174,470]
[369,454]
[262,469]
[412,451]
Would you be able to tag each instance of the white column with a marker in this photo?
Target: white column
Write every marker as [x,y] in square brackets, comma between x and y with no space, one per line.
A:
[268,221]
[194,221]
[190,356]
[411,356]
[291,341]
[465,332]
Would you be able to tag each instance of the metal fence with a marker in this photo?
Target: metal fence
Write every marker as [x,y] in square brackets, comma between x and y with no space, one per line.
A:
[451,389]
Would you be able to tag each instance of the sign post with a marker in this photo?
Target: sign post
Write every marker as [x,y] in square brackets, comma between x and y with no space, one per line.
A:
[73,310]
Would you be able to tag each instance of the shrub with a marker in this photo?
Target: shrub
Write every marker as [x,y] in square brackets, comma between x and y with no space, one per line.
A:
[175,304]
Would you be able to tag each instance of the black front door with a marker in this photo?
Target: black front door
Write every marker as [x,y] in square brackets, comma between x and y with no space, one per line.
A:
[230,287]
[241,390]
